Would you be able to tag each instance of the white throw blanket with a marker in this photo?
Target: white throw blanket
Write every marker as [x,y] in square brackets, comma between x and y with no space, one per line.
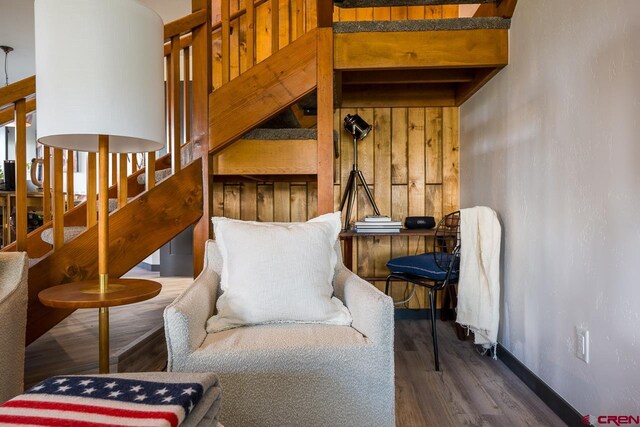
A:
[479,282]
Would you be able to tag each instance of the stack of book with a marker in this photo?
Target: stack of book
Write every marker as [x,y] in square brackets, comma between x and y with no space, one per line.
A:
[377,224]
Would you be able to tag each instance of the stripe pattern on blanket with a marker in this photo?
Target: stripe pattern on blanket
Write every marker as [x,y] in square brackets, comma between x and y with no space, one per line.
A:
[99,401]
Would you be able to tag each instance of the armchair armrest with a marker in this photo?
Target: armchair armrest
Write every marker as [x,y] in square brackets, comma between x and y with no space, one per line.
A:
[372,310]
[185,318]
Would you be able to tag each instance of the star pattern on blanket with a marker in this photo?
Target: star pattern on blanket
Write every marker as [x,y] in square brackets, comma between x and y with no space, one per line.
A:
[186,395]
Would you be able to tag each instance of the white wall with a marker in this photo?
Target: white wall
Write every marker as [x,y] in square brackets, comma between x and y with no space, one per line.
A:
[553,144]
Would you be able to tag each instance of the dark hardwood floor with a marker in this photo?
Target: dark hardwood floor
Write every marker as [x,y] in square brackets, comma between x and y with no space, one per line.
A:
[469,390]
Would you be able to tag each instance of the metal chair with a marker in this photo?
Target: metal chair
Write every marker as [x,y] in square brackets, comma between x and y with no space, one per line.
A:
[434,270]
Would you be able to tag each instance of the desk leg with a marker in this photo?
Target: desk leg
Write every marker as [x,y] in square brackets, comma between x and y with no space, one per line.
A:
[348,253]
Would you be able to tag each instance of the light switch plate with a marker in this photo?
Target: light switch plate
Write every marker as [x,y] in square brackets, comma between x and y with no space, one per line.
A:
[582,344]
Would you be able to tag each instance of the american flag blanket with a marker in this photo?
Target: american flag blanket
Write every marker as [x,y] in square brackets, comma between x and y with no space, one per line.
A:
[114,400]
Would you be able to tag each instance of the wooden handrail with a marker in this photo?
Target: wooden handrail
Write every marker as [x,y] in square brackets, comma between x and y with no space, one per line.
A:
[18,90]
[7,114]
[238,14]
[185,24]
[185,41]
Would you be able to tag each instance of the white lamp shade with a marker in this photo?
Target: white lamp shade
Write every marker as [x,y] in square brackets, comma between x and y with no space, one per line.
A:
[99,71]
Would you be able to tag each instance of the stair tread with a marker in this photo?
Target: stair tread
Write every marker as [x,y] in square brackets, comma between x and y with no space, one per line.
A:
[69,234]
[160,175]
[280,134]
[452,24]
[387,3]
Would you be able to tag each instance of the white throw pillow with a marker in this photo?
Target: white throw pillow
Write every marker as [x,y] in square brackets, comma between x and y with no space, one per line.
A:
[277,272]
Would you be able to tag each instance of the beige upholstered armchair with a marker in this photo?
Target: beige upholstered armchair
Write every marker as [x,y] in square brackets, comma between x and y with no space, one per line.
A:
[291,374]
[13,321]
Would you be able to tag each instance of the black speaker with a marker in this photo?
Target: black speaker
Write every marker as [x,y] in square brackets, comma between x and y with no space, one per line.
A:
[10,175]
[419,222]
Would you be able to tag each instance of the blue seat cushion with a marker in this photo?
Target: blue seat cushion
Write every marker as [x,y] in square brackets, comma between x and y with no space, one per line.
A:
[421,265]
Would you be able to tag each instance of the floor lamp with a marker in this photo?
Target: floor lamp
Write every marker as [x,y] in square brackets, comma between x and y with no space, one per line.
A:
[359,129]
[99,66]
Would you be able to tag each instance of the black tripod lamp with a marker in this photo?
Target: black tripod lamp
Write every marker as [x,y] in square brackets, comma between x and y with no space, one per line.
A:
[359,129]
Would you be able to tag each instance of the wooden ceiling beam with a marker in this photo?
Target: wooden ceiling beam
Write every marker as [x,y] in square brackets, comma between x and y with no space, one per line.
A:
[464,91]
[454,75]
[421,49]
[503,9]
[398,95]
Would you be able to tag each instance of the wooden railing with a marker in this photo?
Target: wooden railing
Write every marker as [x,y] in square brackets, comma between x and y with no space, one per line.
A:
[244,36]
[58,195]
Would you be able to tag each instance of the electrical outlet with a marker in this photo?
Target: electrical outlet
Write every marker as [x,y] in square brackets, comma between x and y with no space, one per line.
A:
[582,344]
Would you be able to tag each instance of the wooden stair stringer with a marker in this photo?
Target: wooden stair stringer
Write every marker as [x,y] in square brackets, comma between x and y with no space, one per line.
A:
[135,231]
[77,216]
[262,92]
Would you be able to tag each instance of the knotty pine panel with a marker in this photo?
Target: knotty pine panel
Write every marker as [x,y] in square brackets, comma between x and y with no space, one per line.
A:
[395,13]
[410,161]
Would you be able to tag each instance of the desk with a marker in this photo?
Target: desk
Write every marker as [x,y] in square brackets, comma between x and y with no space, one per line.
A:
[450,299]
[348,236]
[34,200]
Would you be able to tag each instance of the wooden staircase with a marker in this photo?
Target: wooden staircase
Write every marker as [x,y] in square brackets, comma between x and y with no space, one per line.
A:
[363,64]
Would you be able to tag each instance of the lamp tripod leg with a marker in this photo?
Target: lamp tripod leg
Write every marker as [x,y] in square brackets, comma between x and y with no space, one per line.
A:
[368,191]
[351,192]
[347,191]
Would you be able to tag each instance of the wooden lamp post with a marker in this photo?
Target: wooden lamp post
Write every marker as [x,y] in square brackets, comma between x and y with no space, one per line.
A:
[99,66]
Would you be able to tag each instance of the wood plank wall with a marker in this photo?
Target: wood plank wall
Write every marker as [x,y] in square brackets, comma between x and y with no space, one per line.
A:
[410,159]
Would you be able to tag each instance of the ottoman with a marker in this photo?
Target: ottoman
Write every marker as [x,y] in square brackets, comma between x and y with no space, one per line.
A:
[149,399]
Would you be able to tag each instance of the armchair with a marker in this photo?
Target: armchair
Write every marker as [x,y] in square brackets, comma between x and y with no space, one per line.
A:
[13,321]
[290,374]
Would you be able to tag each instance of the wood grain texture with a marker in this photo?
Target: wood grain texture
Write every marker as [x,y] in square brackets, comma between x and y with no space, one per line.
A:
[262,92]
[184,24]
[122,179]
[421,49]
[92,189]
[325,149]
[504,9]
[46,184]
[470,389]
[202,85]
[466,90]
[37,248]
[433,137]
[71,347]
[398,95]
[269,157]
[7,114]
[18,90]
[58,200]
[435,75]
[399,153]
[174,117]
[176,203]
[21,175]
[86,294]
[382,190]
[450,160]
